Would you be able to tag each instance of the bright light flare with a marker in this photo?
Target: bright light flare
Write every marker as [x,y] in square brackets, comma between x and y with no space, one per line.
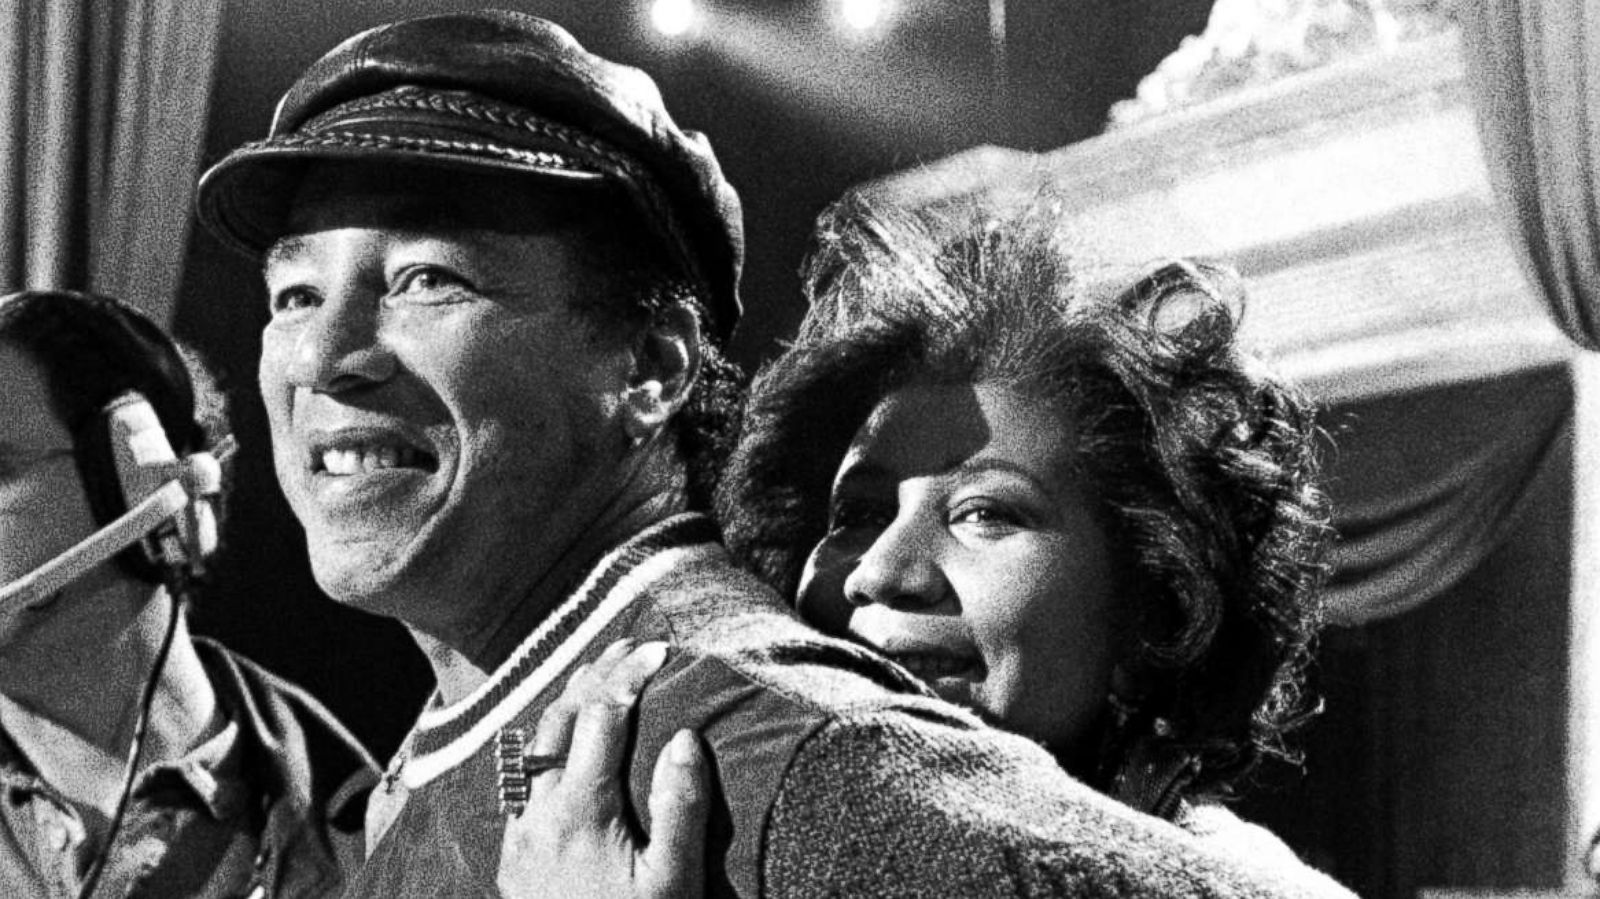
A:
[863,15]
[673,18]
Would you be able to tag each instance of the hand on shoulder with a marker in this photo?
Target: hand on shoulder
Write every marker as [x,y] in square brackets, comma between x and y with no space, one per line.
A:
[574,839]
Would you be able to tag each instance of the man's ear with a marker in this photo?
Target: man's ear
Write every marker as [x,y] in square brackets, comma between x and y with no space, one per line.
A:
[666,362]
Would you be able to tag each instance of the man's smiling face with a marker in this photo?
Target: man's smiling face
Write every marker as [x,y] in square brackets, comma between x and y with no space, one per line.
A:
[441,416]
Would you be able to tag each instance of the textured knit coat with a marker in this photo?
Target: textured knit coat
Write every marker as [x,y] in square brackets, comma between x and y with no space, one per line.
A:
[838,775]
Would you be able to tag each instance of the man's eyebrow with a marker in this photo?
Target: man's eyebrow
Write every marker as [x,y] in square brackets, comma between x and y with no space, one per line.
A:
[284,247]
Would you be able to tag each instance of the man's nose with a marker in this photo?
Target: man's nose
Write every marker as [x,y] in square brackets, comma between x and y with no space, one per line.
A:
[342,346]
[900,570]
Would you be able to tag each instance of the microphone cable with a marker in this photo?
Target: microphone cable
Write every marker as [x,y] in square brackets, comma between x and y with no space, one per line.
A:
[179,586]
[178,550]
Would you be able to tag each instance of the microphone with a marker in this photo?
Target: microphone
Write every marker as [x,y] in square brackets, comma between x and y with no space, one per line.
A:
[144,462]
[168,499]
[155,511]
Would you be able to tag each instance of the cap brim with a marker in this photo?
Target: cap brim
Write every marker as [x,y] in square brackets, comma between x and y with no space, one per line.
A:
[245,199]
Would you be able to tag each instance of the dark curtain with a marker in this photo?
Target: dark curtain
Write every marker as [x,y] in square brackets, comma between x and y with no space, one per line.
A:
[103,105]
[1534,70]
[1423,492]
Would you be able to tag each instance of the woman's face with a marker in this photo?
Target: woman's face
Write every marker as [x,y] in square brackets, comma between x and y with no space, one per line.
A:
[963,544]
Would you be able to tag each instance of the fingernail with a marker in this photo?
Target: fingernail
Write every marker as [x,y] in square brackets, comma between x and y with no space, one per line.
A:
[652,654]
[681,750]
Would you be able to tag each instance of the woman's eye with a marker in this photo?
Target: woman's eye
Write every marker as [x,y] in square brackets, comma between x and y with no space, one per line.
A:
[848,515]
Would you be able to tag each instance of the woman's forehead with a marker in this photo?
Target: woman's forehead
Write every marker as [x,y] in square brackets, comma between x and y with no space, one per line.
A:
[928,428]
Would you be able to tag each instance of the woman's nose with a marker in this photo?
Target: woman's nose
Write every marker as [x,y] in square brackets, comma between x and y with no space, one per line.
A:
[900,570]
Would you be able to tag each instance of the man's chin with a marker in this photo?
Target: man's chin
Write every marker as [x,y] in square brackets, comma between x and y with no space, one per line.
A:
[365,584]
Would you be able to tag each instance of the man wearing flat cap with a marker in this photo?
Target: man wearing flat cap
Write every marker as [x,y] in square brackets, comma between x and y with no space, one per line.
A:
[499,277]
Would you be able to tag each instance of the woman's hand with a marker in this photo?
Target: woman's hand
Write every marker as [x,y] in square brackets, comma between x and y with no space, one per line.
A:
[574,840]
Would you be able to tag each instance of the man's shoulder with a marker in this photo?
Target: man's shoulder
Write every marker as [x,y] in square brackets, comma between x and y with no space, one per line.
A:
[730,632]
[757,686]
[704,591]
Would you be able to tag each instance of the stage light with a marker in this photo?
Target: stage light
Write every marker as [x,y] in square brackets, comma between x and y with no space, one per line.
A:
[673,17]
[863,15]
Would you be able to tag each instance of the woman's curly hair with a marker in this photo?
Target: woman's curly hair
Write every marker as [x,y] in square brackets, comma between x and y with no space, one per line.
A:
[1204,465]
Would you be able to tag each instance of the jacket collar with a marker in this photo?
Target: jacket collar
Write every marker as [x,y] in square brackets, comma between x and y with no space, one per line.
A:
[597,611]
[305,757]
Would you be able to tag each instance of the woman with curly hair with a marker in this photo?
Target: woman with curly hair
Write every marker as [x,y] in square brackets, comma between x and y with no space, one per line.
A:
[1061,496]
[1064,498]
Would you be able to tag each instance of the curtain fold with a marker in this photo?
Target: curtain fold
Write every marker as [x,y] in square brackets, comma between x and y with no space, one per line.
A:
[1534,70]
[104,111]
[1427,484]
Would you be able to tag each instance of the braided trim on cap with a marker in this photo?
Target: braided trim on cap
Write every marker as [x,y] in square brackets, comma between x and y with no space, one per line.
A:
[606,160]
[471,106]
[353,139]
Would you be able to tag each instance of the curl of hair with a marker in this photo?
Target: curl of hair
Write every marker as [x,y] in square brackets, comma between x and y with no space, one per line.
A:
[637,280]
[1204,465]
[706,427]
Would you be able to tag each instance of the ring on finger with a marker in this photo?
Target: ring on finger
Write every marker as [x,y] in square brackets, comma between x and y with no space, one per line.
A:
[535,764]
[517,769]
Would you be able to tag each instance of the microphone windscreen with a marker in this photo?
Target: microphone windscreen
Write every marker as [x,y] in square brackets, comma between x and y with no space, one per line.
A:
[144,457]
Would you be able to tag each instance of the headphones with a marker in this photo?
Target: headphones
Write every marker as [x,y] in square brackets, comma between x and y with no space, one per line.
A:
[94,350]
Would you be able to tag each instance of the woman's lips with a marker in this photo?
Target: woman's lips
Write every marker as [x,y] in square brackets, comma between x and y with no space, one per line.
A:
[931,666]
[938,650]
[953,678]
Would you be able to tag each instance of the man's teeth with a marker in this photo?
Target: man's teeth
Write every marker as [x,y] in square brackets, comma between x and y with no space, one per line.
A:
[928,665]
[367,459]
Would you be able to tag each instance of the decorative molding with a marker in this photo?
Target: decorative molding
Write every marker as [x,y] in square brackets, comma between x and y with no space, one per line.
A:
[1250,43]
[1354,200]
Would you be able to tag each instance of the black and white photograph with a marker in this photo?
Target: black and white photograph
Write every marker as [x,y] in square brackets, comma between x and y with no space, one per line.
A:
[654,449]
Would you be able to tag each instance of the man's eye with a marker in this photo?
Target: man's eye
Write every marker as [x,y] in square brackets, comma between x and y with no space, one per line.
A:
[983,514]
[426,278]
[15,464]
[294,298]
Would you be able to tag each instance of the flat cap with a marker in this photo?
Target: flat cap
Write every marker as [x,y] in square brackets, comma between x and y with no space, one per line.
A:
[489,90]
